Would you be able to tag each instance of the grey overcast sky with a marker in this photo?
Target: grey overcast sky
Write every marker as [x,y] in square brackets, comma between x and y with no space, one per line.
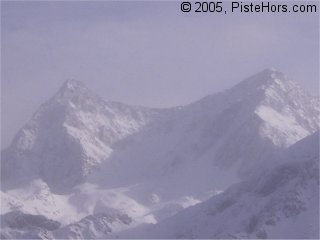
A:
[144,53]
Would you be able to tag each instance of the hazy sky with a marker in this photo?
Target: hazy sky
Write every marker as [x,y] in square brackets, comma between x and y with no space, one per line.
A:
[145,53]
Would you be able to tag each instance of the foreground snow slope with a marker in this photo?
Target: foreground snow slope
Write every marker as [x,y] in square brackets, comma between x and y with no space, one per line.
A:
[281,203]
[80,156]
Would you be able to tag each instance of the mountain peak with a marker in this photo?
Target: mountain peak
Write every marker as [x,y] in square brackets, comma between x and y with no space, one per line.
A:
[273,73]
[73,89]
[264,79]
[284,109]
[265,84]
[72,84]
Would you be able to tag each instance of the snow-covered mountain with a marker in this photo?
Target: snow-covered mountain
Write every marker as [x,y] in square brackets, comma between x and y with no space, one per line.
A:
[80,157]
[68,137]
[211,144]
[281,203]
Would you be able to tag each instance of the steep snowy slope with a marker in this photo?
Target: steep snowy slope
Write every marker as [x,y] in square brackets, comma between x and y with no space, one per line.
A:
[68,137]
[282,203]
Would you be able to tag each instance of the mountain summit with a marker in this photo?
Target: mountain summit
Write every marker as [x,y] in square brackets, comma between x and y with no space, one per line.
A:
[75,91]
[288,112]
[68,136]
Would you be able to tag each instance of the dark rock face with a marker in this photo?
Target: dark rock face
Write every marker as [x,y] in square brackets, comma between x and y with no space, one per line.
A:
[92,226]
[18,225]
[19,220]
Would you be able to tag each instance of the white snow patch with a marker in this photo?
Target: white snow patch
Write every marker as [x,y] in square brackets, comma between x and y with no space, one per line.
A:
[281,129]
